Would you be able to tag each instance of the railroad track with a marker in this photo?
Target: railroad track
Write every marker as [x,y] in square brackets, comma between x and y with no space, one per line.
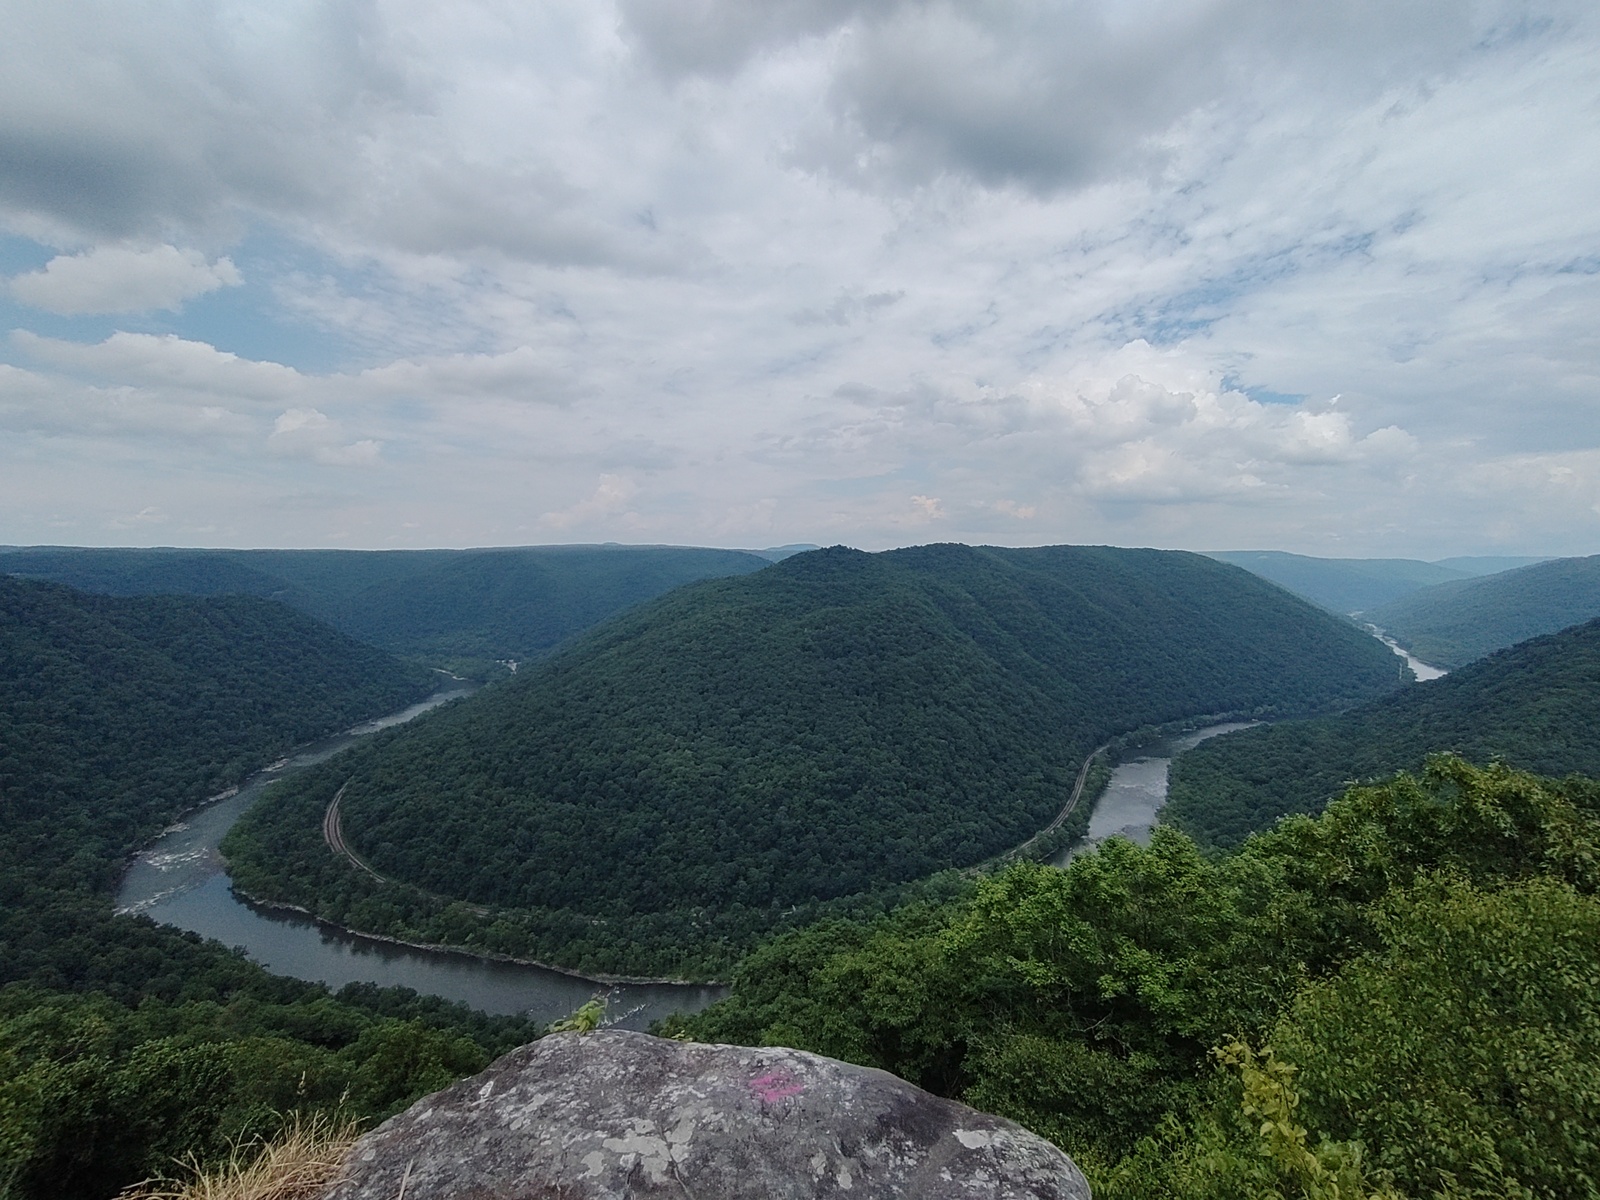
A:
[333,834]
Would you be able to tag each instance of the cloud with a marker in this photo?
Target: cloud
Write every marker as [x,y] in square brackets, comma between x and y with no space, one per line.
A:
[166,361]
[311,433]
[120,279]
[762,273]
[609,499]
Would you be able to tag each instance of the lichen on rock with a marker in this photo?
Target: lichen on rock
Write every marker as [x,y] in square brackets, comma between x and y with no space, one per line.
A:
[616,1115]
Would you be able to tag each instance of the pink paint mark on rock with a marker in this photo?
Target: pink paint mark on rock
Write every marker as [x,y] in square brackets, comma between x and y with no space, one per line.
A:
[775,1085]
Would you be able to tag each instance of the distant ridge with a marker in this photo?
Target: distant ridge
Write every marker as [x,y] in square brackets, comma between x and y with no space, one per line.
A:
[1454,623]
[1351,585]
[741,750]
[1535,705]
[466,608]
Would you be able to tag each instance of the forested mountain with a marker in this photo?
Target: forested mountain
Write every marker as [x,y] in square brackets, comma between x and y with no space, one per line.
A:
[459,606]
[1453,623]
[124,1045]
[1535,706]
[741,749]
[1400,998]
[1352,585]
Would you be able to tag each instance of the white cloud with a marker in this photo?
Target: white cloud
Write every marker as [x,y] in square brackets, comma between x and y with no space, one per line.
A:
[121,279]
[609,499]
[166,361]
[758,273]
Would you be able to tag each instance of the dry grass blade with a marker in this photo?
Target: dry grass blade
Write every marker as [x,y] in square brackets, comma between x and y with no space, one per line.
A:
[296,1165]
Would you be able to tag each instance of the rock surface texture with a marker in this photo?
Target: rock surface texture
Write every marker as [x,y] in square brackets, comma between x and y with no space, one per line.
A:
[615,1114]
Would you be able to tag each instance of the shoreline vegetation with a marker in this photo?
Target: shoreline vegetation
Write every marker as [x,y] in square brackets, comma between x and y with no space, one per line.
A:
[1069,825]
[832,736]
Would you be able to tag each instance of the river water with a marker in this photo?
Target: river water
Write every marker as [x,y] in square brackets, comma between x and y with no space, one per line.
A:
[1423,671]
[180,880]
[1137,790]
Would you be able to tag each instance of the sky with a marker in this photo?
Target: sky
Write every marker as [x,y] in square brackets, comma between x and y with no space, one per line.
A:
[1198,274]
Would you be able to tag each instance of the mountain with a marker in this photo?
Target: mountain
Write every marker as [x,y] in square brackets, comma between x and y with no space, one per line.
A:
[1453,623]
[116,713]
[440,605]
[1535,706]
[1342,585]
[126,1047]
[1489,564]
[739,750]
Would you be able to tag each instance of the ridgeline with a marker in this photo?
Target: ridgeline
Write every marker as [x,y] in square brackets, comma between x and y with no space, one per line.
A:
[1535,706]
[1450,624]
[748,752]
[462,608]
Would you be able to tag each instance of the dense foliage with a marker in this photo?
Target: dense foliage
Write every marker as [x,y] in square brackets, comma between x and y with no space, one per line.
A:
[1535,705]
[123,1043]
[462,607]
[1453,623]
[744,749]
[1402,995]
[1344,585]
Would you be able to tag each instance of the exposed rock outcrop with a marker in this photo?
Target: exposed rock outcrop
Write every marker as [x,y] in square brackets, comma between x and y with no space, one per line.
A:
[615,1114]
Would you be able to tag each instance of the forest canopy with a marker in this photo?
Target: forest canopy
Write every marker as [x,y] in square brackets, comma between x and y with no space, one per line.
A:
[125,1045]
[1400,997]
[1535,706]
[742,750]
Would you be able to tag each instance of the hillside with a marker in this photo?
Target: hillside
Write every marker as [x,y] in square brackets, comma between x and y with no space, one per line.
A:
[742,749]
[1397,998]
[440,605]
[125,1046]
[1451,624]
[118,713]
[1536,706]
[1342,585]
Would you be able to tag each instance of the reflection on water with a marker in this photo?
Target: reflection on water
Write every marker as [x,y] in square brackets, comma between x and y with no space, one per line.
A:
[180,881]
[1138,788]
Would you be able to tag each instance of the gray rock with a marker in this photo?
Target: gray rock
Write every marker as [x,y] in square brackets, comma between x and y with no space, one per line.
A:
[614,1114]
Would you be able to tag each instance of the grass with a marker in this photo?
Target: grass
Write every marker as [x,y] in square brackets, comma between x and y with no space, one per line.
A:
[298,1164]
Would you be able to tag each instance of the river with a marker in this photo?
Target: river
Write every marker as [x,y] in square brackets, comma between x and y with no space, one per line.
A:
[180,880]
[1137,790]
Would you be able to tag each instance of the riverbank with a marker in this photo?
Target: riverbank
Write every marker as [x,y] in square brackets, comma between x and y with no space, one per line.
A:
[596,977]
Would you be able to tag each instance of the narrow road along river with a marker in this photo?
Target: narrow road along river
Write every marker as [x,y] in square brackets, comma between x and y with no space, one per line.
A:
[180,881]
[1138,789]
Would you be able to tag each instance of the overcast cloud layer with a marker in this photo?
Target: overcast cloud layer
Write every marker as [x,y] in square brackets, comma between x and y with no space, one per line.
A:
[1190,273]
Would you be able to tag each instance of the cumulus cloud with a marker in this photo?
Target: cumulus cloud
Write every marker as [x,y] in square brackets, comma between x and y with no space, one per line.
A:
[608,500]
[808,270]
[121,279]
[166,361]
[310,432]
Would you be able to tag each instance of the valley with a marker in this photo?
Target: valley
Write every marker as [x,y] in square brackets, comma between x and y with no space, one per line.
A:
[826,736]
[809,779]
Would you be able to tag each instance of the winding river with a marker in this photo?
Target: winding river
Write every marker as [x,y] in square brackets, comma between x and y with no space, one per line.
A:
[1137,790]
[180,880]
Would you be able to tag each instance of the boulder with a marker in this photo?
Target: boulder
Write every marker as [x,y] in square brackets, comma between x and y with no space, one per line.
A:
[614,1114]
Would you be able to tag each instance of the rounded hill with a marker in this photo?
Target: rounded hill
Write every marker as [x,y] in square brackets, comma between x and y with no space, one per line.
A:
[838,723]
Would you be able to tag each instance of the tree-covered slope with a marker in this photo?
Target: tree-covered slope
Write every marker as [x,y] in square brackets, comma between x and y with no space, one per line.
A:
[1342,585]
[117,713]
[1453,623]
[126,1047]
[836,724]
[437,604]
[1398,998]
[1535,706]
